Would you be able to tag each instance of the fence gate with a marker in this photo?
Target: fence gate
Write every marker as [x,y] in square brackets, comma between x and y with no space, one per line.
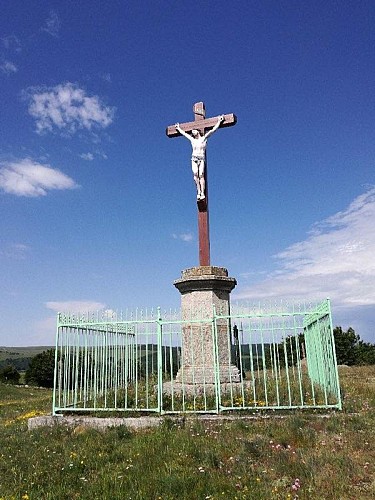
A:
[276,358]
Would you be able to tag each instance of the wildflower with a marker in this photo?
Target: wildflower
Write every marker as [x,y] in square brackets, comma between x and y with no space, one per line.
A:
[296,485]
[25,497]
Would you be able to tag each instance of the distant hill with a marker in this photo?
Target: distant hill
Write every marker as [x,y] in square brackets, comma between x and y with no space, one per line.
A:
[20,357]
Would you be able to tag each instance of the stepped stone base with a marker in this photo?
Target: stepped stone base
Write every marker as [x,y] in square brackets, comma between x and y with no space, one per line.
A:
[206,375]
[234,388]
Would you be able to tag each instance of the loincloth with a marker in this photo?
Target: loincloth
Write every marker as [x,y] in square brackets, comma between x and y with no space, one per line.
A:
[197,159]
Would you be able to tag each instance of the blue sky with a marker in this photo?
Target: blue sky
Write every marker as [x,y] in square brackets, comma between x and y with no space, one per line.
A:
[98,206]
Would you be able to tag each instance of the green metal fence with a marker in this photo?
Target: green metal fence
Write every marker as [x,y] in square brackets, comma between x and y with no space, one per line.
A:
[280,357]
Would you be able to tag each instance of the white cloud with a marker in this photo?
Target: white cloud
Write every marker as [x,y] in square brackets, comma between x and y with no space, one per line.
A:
[43,332]
[251,274]
[87,156]
[12,43]
[28,178]
[67,108]
[102,154]
[110,314]
[8,68]
[183,237]
[107,77]
[52,24]
[17,251]
[336,260]
[75,306]
[45,329]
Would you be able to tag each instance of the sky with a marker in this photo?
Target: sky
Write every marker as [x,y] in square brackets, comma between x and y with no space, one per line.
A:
[98,205]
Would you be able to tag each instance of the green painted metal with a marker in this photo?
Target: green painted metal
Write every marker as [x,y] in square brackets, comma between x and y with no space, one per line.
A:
[128,362]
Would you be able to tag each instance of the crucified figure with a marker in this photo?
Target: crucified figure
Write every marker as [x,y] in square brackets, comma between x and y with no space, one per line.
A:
[199,143]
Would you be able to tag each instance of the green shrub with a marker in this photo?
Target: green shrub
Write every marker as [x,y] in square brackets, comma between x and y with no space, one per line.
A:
[9,375]
[41,369]
[351,350]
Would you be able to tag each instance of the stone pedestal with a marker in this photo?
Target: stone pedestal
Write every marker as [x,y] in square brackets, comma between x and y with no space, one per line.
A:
[201,288]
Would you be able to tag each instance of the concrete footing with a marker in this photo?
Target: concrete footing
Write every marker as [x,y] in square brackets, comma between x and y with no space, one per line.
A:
[100,423]
[80,423]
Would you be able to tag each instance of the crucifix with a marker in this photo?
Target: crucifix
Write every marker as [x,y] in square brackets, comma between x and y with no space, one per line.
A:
[200,129]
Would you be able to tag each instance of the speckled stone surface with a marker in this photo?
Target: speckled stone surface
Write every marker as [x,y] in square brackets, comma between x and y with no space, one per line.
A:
[202,288]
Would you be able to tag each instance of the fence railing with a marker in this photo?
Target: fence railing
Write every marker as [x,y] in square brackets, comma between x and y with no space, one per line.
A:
[255,358]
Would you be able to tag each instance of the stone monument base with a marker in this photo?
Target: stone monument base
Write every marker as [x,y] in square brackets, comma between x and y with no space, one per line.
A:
[206,351]
[206,374]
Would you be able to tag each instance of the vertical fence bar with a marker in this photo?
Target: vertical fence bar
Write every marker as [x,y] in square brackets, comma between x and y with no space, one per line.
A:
[287,371]
[56,369]
[216,361]
[332,338]
[160,363]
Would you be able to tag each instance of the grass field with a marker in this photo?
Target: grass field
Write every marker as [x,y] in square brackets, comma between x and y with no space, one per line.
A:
[304,455]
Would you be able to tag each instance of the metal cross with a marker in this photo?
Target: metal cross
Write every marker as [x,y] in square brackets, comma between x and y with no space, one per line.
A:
[202,124]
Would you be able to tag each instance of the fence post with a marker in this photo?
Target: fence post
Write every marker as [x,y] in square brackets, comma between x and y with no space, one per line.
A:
[334,355]
[56,366]
[160,362]
[216,360]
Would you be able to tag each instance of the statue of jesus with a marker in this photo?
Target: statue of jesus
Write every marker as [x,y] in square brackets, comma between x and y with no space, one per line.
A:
[199,143]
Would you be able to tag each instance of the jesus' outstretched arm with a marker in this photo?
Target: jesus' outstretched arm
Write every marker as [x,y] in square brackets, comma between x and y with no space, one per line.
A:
[219,122]
[182,132]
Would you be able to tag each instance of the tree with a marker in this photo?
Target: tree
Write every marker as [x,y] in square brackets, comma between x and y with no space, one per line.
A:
[9,374]
[41,369]
[345,343]
[351,350]
[289,350]
[365,353]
